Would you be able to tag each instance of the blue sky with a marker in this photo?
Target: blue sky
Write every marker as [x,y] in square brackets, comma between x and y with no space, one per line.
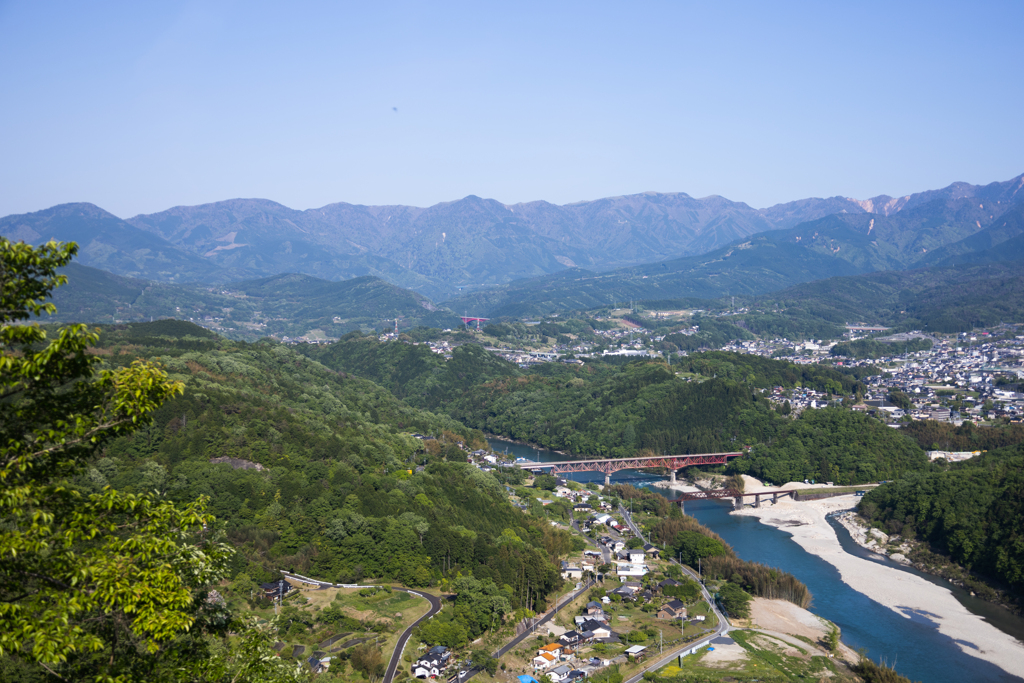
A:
[138,107]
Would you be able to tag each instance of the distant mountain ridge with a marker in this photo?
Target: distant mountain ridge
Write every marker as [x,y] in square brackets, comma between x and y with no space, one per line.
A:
[986,224]
[288,304]
[471,243]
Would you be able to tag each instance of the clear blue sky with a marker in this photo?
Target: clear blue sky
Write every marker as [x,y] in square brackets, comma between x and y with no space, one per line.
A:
[140,106]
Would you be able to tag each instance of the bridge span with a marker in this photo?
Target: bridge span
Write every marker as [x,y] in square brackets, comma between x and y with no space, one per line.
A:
[737,496]
[611,465]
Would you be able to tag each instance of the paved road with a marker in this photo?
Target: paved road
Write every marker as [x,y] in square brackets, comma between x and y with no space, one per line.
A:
[670,656]
[396,656]
[605,553]
[723,625]
[501,652]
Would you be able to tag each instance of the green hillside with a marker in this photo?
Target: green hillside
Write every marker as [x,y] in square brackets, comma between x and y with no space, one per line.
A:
[292,305]
[715,403]
[947,299]
[969,514]
[337,493]
[105,241]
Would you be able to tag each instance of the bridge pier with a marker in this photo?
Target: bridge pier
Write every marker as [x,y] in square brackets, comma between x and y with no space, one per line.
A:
[607,479]
[682,506]
[672,476]
[737,503]
[757,500]
[775,498]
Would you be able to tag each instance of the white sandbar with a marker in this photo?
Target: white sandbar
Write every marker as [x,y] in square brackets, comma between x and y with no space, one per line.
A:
[891,587]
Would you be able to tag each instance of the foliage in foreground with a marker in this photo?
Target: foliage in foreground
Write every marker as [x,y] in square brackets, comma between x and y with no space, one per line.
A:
[109,585]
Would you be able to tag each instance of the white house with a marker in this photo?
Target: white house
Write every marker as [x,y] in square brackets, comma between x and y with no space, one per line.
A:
[544,660]
[631,570]
[432,663]
[571,571]
[559,673]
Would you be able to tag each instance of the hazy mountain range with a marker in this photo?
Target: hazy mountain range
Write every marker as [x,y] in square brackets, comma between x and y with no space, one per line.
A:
[280,305]
[536,257]
[973,224]
[469,243]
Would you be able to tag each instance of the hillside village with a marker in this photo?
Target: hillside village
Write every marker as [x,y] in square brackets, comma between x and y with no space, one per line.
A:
[970,376]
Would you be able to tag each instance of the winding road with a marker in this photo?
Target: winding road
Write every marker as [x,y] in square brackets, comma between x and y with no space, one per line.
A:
[396,656]
[435,607]
[501,652]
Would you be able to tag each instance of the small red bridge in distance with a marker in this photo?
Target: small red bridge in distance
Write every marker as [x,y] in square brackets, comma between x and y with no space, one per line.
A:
[612,465]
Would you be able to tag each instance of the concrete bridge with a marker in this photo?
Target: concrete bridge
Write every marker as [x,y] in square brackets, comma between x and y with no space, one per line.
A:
[737,496]
[611,465]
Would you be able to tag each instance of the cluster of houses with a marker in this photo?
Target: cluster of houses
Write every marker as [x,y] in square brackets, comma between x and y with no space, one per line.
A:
[597,519]
[630,562]
[799,399]
[558,659]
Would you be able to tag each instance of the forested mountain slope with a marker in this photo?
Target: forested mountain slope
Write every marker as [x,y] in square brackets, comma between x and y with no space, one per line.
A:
[601,410]
[315,470]
[938,299]
[106,241]
[474,243]
[282,305]
[838,244]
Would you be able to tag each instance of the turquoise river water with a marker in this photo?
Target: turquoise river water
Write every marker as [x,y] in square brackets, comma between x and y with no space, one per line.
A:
[910,640]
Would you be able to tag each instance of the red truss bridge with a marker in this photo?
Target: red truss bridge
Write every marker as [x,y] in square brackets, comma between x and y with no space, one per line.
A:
[466,320]
[612,465]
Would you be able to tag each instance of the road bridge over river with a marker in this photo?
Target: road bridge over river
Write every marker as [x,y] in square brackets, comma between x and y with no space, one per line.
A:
[611,465]
[737,496]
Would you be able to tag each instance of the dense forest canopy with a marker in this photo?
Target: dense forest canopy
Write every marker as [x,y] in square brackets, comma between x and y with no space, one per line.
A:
[970,512]
[707,402]
[836,445]
[342,490]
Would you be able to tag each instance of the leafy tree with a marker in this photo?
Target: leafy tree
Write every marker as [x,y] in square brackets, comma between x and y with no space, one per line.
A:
[687,590]
[899,398]
[485,661]
[734,599]
[833,638]
[545,482]
[106,585]
[690,546]
[367,659]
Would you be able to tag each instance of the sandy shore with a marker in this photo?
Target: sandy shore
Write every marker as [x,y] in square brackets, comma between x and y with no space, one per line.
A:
[891,587]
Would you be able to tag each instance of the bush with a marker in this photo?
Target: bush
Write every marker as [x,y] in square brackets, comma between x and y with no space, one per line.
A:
[735,600]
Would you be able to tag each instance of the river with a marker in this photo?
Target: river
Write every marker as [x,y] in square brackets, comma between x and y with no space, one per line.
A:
[911,642]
